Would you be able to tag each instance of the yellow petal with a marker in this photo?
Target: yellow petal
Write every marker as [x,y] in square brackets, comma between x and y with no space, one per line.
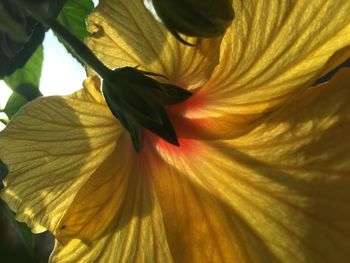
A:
[273,49]
[338,58]
[99,200]
[51,147]
[192,120]
[125,33]
[280,193]
[199,227]
[131,227]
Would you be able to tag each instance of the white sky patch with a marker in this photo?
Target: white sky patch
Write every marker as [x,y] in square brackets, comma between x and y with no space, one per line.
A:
[5,93]
[62,74]
[2,126]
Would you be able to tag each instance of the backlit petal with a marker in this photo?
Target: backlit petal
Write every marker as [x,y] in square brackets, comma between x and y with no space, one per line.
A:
[123,210]
[125,33]
[99,200]
[280,193]
[193,120]
[199,227]
[275,48]
[51,147]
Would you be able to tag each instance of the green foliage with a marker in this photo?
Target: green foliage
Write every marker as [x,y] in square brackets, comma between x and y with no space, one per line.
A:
[20,241]
[17,46]
[25,83]
[10,26]
[29,74]
[50,7]
[14,103]
[73,16]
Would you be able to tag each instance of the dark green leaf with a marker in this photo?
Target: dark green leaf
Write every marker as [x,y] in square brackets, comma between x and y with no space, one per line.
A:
[51,7]
[15,102]
[73,16]
[21,239]
[25,83]
[10,26]
[29,74]
[43,8]
[27,236]
[15,51]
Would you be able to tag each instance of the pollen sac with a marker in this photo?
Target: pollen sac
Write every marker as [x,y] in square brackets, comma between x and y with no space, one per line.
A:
[137,101]
[197,18]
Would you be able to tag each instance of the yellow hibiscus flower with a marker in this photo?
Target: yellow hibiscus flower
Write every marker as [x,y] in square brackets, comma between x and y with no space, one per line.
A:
[262,170]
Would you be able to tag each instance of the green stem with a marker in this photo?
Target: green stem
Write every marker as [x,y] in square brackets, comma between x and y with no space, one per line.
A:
[76,45]
[79,48]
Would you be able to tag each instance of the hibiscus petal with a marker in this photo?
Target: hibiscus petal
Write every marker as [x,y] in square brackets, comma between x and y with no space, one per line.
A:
[274,49]
[100,198]
[125,33]
[51,147]
[193,120]
[280,193]
[125,215]
[199,227]
[336,60]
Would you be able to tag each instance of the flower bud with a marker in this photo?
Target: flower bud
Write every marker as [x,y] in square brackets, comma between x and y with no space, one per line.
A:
[138,101]
[197,18]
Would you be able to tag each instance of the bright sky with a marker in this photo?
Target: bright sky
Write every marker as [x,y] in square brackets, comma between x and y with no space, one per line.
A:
[62,74]
[5,93]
